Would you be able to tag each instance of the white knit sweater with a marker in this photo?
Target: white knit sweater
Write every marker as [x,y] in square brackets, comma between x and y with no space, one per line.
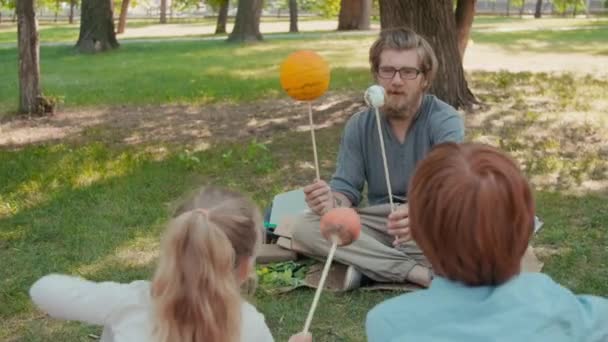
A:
[124,310]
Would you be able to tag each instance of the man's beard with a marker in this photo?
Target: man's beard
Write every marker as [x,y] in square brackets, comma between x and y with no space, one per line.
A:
[399,111]
[403,108]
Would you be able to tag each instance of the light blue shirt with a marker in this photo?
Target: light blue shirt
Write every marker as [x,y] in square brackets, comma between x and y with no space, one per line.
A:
[529,307]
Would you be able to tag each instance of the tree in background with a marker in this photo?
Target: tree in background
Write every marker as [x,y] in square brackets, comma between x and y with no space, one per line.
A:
[325,8]
[31,100]
[354,15]
[73,4]
[8,4]
[293,16]
[122,20]
[436,21]
[96,27]
[563,6]
[163,11]
[522,6]
[221,7]
[464,15]
[538,12]
[247,22]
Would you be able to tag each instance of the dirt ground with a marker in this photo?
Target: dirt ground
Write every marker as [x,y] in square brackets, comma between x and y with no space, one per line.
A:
[190,126]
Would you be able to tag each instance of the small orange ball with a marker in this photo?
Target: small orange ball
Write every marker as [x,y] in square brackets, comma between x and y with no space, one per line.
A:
[343,223]
[304,75]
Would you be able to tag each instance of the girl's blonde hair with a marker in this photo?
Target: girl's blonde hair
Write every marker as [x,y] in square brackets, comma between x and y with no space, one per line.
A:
[195,289]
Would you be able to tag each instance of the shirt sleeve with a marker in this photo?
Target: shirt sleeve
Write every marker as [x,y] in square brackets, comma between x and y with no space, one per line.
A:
[376,328]
[254,327]
[349,177]
[595,317]
[74,298]
[448,127]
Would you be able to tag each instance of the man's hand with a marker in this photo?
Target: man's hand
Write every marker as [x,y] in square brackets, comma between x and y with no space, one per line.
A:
[319,197]
[399,225]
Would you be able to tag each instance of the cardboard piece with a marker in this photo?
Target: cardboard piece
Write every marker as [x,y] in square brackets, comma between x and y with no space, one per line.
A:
[270,253]
[529,262]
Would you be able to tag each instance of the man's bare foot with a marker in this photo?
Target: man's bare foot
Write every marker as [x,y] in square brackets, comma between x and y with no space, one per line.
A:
[420,275]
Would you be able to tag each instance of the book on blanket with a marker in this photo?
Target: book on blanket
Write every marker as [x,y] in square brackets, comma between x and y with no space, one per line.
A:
[286,205]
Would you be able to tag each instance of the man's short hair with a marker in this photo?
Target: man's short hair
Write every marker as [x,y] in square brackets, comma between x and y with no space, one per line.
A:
[471,213]
[403,38]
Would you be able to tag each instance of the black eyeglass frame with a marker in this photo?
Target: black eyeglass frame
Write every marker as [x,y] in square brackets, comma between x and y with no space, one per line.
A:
[401,71]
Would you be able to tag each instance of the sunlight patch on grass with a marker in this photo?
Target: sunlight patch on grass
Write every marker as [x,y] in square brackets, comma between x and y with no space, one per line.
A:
[141,251]
[61,167]
[547,124]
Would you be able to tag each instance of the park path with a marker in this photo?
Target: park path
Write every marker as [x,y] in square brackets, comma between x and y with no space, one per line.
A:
[493,58]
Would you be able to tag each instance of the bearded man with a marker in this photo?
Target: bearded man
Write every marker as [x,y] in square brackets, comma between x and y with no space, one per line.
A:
[404,64]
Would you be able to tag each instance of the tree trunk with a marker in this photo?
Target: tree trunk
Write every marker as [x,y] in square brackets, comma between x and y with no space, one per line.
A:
[122,20]
[56,10]
[354,15]
[539,9]
[521,9]
[434,20]
[508,7]
[587,8]
[222,18]
[575,8]
[293,16]
[96,27]
[71,17]
[366,14]
[163,11]
[349,15]
[30,95]
[247,22]
[465,13]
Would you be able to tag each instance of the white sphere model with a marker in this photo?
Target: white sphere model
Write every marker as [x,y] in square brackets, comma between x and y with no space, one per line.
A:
[374,96]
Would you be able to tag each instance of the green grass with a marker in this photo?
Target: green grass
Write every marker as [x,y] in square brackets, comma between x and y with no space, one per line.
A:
[60,33]
[590,40]
[68,33]
[97,207]
[178,72]
[206,71]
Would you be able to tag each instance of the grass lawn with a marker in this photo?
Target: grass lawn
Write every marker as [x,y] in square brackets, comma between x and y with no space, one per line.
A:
[95,206]
[177,72]
[209,71]
[589,40]
[68,33]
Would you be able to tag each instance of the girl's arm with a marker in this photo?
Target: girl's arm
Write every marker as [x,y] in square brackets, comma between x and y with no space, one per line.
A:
[74,298]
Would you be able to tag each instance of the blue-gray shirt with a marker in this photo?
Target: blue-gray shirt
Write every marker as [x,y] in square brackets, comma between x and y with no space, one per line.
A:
[529,307]
[360,156]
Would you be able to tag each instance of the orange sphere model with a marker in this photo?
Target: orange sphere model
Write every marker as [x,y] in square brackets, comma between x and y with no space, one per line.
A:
[344,223]
[304,75]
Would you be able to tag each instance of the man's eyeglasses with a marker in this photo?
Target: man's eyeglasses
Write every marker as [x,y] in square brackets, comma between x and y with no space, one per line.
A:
[406,73]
